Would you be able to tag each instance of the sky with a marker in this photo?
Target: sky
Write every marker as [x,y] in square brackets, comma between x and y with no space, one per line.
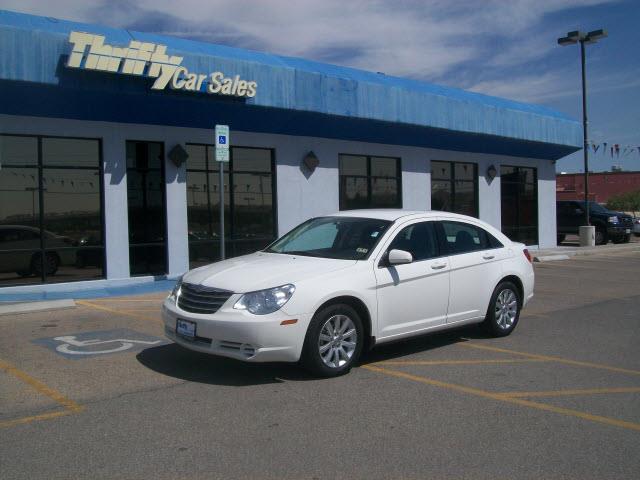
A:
[505,48]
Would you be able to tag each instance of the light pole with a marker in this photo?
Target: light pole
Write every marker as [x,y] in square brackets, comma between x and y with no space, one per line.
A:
[584,39]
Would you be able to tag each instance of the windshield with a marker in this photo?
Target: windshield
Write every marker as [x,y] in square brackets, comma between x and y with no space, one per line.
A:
[344,238]
[596,207]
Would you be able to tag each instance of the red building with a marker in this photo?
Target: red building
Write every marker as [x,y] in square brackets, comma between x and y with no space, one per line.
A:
[602,185]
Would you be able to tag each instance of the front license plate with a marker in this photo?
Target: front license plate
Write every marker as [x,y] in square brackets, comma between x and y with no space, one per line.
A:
[186,329]
[628,230]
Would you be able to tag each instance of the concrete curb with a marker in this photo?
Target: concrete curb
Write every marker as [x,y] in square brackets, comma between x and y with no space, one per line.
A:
[550,258]
[560,254]
[31,307]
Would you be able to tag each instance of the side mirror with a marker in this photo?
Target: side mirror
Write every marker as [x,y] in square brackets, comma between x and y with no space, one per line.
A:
[399,257]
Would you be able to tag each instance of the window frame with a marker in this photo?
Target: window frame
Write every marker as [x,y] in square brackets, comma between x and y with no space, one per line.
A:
[369,178]
[208,170]
[452,184]
[39,168]
[163,172]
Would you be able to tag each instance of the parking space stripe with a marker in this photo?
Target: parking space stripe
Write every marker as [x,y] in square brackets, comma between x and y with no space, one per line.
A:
[116,312]
[35,418]
[561,393]
[548,358]
[69,405]
[460,362]
[502,398]
[40,387]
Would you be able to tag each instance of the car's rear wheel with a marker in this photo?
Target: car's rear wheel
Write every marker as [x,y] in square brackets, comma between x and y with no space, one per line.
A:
[334,341]
[560,238]
[504,310]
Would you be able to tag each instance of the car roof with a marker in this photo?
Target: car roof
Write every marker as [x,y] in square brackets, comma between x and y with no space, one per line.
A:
[394,214]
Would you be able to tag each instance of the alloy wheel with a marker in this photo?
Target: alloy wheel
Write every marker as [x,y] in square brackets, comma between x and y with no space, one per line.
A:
[337,341]
[506,309]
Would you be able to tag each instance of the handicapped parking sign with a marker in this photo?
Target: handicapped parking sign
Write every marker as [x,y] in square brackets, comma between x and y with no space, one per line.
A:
[89,344]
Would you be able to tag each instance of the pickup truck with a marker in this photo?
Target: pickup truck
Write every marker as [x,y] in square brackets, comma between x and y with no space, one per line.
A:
[610,225]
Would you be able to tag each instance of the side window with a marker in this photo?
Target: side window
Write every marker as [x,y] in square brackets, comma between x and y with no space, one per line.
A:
[463,237]
[418,239]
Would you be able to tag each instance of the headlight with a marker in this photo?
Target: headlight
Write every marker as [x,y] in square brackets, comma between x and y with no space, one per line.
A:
[174,293]
[267,301]
[613,219]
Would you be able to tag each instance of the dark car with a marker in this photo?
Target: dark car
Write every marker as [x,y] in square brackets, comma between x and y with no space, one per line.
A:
[610,225]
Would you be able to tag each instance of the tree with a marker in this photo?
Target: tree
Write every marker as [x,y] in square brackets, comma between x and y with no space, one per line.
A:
[628,202]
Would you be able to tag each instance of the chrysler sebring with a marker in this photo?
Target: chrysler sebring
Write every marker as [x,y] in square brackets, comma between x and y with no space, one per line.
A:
[336,286]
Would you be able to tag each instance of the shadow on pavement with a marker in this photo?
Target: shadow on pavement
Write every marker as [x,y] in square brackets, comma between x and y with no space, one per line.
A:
[174,361]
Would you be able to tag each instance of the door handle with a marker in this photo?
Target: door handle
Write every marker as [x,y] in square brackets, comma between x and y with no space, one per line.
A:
[438,266]
[488,256]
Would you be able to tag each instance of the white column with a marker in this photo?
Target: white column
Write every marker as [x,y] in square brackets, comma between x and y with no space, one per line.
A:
[176,206]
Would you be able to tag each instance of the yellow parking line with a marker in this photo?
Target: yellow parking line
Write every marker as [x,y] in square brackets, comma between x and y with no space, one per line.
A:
[502,398]
[119,300]
[69,405]
[113,310]
[40,387]
[459,362]
[561,393]
[549,358]
[34,418]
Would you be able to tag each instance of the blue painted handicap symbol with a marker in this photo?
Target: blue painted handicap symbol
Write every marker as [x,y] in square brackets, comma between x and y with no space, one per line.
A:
[90,344]
[222,139]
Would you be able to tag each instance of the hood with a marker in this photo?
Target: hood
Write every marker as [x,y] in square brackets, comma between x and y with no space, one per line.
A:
[262,270]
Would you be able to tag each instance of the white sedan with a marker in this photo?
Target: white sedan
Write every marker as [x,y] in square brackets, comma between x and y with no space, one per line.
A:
[337,285]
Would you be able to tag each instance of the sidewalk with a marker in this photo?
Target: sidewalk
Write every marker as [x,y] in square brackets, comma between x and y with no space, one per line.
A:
[571,249]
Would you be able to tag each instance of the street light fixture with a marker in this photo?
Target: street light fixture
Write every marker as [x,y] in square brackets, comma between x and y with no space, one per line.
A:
[584,39]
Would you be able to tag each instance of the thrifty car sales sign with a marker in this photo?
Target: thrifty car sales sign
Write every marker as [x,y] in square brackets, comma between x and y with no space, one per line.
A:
[151,60]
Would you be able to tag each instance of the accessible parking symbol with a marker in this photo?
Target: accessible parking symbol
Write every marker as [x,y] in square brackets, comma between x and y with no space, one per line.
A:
[97,343]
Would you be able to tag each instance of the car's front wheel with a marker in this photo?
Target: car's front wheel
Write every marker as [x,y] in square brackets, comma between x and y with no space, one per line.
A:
[504,310]
[334,341]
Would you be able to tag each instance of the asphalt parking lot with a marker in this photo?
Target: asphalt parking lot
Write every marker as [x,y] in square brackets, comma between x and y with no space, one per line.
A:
[560,398]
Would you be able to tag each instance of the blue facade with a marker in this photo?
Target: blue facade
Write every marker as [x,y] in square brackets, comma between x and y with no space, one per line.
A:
[294,97]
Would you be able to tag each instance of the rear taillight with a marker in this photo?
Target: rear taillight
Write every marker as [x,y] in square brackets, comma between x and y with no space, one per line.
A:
[528,255]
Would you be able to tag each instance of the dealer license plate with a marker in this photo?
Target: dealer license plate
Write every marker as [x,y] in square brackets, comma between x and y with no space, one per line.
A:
[186,329]
[627,231]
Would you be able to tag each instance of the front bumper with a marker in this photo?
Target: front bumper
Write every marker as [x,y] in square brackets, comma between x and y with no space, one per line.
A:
[619,230]
[239,334]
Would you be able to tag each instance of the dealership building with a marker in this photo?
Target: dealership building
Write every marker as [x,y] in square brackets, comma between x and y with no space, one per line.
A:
[108,172]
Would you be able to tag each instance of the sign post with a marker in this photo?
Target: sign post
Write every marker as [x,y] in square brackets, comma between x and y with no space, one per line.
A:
[222,157]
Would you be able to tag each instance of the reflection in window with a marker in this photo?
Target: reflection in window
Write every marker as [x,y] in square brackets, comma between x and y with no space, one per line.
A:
[454,187]
[50,210]
[369,182]
[519,203]
[249,207]
[146,208]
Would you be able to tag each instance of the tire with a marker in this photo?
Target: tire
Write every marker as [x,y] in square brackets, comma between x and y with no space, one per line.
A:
[637,234]
[601,237]
[622,239]
[349,347]
[52,262]
[501,301]
[560,238]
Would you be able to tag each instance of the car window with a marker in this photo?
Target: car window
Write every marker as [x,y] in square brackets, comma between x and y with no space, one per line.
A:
[463,237]
[419,240]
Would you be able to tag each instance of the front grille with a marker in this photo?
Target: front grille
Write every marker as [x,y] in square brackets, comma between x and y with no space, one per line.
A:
[199,299]
[627,221]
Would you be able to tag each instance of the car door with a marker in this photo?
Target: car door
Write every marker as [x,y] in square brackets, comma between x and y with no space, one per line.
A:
[413,296]
[475,261]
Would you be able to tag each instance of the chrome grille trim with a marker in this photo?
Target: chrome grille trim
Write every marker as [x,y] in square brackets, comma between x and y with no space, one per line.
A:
[199,299]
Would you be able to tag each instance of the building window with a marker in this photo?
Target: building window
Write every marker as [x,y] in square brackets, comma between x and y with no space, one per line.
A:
[51,227]
[146,206]
[370,182]
[454,187]
[250,213]
[519,203]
